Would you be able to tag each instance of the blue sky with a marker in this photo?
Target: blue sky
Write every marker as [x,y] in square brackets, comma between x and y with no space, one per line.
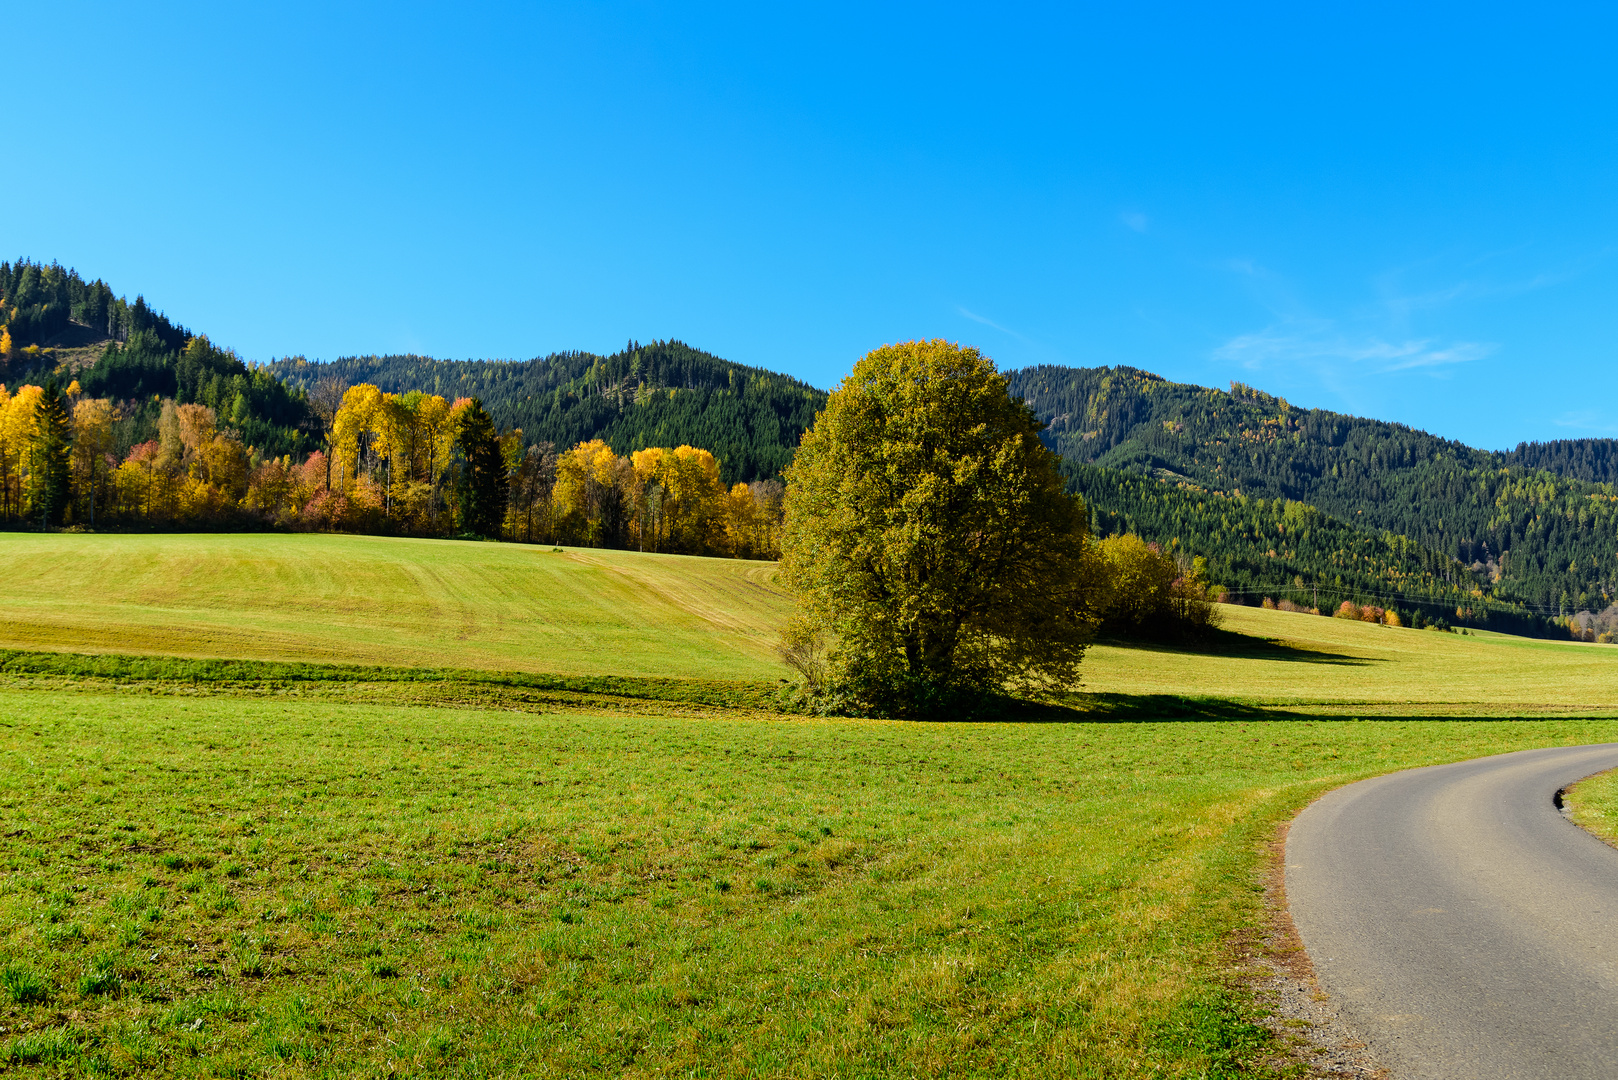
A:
[1404,212]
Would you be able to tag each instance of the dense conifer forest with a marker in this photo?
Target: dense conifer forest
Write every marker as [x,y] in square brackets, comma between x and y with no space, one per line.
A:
[1534,526]
[1282,551]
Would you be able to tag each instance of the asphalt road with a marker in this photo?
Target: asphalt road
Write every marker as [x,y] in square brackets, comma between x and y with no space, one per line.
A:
[1460,923]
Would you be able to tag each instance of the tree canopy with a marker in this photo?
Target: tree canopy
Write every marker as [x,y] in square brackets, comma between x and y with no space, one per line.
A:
[929,536]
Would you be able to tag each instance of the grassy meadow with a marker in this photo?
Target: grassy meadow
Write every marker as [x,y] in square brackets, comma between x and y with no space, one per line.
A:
[1593,804]
[215,885]
[1297,662]
[546,822]
[505,607]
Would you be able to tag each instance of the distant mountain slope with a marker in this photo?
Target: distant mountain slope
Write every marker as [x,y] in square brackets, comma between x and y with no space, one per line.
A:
[1389,511]
[1287,550]
[662,394]
[1546,539]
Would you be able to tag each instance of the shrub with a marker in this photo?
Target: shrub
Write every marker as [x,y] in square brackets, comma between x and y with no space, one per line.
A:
[1268,604]
[1348,610]
[1151,593]
[802,647]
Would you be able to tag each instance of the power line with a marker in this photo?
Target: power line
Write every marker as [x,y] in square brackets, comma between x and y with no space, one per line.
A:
[1350,594]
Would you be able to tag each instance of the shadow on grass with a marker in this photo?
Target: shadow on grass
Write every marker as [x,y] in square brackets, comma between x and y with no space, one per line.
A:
[1094,708]
[1169,708]
[447,682]
[1242,647]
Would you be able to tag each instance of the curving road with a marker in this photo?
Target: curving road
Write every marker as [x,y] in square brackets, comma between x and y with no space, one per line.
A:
[1460,922]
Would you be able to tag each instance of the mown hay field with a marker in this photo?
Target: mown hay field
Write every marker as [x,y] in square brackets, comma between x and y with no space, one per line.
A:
[384,600]
[1290,661]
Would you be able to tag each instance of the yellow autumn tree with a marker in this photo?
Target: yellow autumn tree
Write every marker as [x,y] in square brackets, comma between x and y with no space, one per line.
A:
[740,520]
[353,435]
[17,432]
[681,499]
[593,496]
[92,449]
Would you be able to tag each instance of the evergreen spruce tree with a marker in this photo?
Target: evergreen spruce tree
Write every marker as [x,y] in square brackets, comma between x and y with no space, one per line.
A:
[50,477]
[480,488]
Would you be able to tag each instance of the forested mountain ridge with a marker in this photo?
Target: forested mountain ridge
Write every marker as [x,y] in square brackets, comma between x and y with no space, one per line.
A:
[662,394]
[38,303]
[1542,537]
[1258,548]
[1595,460]
[53,323]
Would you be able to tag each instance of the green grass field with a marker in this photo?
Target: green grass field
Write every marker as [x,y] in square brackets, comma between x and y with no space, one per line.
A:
[561,861]
[203,886]
[1593,803]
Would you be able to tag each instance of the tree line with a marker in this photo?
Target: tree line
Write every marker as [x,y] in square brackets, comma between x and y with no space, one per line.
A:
[410,464]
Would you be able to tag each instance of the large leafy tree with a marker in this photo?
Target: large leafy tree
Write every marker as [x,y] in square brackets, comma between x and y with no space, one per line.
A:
[929,537]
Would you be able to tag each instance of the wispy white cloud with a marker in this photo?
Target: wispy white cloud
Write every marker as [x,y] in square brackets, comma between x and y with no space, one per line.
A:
[1401,305]
[975,317]
[1587,420]
[1398,303]
[1319,341]
[1425,354]
[1135,220]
